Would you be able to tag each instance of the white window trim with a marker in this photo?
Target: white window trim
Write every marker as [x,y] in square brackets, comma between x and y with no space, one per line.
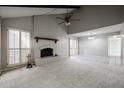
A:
[74,48]
[109,54]
[8,28]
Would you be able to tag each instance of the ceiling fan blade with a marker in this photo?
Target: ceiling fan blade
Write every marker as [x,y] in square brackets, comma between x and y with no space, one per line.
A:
[60,18]
[61,23]
[67,12]
[75,19]
[71,14]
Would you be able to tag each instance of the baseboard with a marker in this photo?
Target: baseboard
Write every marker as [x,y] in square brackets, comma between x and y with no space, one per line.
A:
[12,68]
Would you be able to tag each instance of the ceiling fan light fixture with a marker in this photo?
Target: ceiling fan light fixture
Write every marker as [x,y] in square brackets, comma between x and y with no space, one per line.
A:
[67,23]
[91,38]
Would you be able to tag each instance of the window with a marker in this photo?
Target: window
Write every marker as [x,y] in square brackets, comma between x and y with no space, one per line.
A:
[19,46]
[114,46]
[73,46]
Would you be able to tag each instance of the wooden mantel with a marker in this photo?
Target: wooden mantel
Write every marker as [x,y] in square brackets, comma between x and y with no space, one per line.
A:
[43,38]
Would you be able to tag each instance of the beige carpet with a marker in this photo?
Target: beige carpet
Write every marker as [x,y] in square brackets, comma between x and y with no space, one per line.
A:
[69,73]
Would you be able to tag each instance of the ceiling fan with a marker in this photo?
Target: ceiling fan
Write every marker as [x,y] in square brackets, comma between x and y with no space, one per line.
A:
[67,19]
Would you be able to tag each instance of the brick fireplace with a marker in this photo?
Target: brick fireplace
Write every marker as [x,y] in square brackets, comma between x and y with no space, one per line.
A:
[45,51]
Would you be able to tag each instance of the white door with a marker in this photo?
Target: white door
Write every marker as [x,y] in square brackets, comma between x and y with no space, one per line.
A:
[18,46]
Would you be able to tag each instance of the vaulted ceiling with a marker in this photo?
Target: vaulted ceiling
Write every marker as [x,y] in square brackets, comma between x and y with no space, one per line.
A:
[22,11]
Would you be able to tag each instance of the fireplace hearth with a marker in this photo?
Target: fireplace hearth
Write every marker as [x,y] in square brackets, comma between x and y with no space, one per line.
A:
[46,52]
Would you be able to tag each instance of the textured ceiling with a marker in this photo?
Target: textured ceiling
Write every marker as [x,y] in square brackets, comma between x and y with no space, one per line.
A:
[9,12]
[102,30]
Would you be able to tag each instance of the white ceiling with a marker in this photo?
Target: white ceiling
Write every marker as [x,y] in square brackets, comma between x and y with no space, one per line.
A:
[9,12]
[102,30]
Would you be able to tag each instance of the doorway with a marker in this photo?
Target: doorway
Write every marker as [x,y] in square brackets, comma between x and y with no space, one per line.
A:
[18,46]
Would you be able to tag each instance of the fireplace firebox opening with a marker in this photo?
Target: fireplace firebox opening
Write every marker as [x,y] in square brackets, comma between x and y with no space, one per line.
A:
[46,52]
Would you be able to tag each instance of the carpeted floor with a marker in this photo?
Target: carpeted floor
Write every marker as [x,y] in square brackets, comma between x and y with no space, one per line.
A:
[69,73]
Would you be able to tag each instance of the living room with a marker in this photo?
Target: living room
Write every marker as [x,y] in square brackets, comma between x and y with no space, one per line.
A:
[69,46]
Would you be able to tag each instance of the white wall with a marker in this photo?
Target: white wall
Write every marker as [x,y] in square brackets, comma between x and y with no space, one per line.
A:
[47,26]
[92,17]
[96,47]
[24,23]
[0,43]
[44,26]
